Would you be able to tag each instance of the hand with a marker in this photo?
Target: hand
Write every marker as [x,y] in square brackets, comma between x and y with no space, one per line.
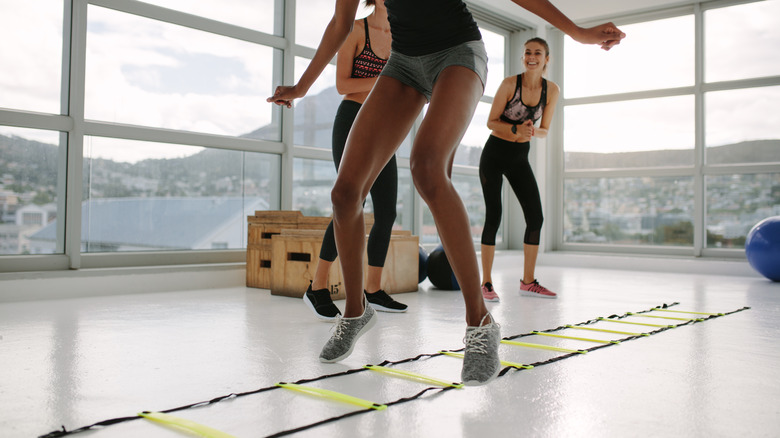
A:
[527,129]
[606,35]
[284,95]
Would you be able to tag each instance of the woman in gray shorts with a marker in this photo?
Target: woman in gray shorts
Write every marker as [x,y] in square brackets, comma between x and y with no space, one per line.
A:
[437,57]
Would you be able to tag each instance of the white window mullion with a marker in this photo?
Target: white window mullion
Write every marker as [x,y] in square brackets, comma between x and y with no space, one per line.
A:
[75,109]
[699,189]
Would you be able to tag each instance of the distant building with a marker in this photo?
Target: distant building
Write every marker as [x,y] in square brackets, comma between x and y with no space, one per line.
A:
[36,215]
[147,224]
[9,202]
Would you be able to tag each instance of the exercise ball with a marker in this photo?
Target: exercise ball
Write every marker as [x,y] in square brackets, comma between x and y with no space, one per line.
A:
[762,248]
[422,270]
[440,272]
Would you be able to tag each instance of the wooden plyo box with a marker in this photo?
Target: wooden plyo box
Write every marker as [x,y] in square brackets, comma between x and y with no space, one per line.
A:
[296,254]
[265,224]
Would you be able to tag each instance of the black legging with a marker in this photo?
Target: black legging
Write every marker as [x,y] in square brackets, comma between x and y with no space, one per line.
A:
[384,194]
[499,158]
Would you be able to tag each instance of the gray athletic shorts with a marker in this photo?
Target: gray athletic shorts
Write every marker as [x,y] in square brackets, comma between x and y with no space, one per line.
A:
[421,72]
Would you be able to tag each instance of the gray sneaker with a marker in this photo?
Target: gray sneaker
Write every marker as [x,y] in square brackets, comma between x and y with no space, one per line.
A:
[347,332]
[480,361]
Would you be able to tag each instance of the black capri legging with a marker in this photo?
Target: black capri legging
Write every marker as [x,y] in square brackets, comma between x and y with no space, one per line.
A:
[384,194]
[505,158]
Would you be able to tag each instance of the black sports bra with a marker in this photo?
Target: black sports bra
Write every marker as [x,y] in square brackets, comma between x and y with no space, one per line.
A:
[367,64]
[517,112]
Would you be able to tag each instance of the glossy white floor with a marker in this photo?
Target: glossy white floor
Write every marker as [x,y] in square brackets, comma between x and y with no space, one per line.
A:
[74,362]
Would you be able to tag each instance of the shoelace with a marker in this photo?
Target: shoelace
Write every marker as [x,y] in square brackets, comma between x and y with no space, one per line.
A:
[536,287]
[476,340]
[339,327]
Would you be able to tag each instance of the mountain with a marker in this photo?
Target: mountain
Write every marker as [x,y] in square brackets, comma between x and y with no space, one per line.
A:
[758,151]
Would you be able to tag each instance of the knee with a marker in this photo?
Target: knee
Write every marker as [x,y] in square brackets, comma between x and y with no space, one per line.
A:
[428,178]
[535,223]
[345,196]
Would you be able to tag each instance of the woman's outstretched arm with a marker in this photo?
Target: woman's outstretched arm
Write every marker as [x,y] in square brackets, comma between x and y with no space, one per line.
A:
[335,34]
[606,35]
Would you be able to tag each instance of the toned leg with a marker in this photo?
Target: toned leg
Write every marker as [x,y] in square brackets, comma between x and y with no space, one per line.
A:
[374,278]
[384,198]
[529,263]
[455,96]
[320,280]
[521,179]
[380,127]
[488,253]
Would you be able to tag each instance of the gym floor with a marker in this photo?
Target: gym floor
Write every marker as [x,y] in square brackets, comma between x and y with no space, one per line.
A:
[75,362]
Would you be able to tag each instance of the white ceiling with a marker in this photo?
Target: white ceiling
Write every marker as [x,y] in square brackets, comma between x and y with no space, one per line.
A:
[584,10]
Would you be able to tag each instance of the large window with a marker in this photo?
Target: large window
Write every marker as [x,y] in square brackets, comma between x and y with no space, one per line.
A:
[141,196]
[260,15]
[632,211]
[134,128]
[314,113]
[657,132]
[633,154]
[741,41]
[31,54]
[146,72]
[31,189]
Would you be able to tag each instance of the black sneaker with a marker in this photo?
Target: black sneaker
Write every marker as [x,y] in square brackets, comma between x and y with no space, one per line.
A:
[382,302]
[320,303]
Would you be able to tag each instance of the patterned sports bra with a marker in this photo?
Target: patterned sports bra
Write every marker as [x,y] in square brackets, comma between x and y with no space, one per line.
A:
[367,64]
[516,112]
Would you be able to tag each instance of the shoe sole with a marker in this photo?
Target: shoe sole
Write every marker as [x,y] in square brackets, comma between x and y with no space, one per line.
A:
[365,328]
[534,294]
[381,308]
[492,300]
[310,305]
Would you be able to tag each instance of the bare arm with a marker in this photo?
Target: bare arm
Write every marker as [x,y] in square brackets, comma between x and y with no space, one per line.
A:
[606,35]
[549,109]
[335,34]
[500,128]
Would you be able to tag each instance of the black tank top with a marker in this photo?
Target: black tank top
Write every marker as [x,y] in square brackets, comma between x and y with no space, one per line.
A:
[517,112]
[422,27]
[367,64]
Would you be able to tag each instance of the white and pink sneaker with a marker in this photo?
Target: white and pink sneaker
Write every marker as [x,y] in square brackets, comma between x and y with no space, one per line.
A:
[488,294]
[536,290]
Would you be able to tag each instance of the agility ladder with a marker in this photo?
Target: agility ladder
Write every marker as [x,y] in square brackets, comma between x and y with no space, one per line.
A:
[164,417]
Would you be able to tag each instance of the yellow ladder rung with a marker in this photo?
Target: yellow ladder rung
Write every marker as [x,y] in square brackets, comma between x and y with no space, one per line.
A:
[636,323]
[332,395]
[503,362]
[574,338]
[413,376]
[693,313]
[184,424]
[542,347]
[606,331]
[663,317]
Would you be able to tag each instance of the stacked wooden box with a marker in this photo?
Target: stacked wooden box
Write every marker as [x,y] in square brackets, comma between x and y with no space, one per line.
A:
[283,251]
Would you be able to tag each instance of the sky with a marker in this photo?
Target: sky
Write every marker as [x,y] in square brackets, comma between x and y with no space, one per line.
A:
[144,72]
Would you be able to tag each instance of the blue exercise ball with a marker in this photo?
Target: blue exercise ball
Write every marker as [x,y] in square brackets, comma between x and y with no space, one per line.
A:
[440,272]
[762,248]
[422,271]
